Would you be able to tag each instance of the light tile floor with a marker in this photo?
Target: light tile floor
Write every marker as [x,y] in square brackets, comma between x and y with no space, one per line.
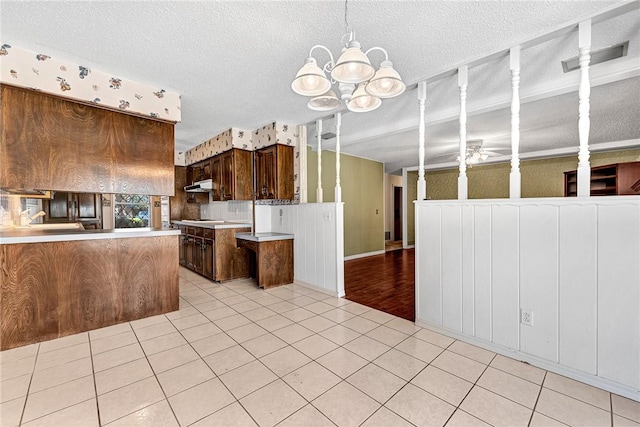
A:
[234,355]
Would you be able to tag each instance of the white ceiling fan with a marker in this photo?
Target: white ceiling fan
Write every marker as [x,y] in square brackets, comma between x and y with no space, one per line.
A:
[475,153]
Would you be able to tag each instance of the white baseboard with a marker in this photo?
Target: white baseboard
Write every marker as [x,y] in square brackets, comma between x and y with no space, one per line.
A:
[364,255]
[594,380]
[318,288]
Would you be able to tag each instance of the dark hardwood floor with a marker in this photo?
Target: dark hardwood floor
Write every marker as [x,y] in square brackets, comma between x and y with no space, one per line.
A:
[385,282]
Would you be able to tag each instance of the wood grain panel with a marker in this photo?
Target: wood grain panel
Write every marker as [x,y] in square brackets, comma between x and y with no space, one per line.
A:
[285,172]
[143,154]
[29,304]
[242,174]
[55,289]
[86,284]
[232,262]
[180,207]
[275,263]
[52,143]
[143,264]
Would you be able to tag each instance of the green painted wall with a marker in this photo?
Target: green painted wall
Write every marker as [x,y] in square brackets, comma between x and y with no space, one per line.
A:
[362,183]
[539,178]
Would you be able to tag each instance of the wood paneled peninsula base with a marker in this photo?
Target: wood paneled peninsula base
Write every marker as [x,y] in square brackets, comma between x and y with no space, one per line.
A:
[273,257]
[61,283]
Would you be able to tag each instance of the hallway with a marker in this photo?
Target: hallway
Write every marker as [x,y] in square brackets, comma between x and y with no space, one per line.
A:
[384,282]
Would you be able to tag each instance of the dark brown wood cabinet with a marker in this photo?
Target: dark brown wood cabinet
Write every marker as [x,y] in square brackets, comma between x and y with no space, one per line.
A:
[231,175]
[208,253]
[216,174]
[200,171]
[274,172]
[81,148]
[85,208]
[272,261]
[609,180]
[213,253]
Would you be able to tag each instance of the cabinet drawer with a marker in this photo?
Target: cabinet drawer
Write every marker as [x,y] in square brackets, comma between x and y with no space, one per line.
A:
[190,230]
[199,231]
[208,233]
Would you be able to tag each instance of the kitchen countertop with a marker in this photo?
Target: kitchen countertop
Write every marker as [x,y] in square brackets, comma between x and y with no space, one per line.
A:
[25,235]
[264,237]
[213,224]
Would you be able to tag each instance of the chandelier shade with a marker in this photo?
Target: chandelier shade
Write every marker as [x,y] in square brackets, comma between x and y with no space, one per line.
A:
[362,102]
[386,83]
[325,102]
[353,66]
[310,80]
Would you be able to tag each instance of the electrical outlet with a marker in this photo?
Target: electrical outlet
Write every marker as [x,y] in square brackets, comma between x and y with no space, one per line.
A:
[526,317]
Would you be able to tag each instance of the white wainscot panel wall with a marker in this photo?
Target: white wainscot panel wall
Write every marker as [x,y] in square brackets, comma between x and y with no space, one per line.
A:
[318,245]
[574,264]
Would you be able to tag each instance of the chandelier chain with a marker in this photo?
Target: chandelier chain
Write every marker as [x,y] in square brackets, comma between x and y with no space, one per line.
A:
[346,14]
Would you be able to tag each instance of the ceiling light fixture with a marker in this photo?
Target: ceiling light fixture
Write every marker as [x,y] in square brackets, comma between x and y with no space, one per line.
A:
[361,87]
[475,154]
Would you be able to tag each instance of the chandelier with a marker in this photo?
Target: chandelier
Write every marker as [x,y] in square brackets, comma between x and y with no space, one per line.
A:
[361,87]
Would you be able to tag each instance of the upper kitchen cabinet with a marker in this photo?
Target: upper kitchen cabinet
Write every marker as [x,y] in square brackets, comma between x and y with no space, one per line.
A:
[235,175]
[274,172]
[74,207]
[200,171]
[51,143]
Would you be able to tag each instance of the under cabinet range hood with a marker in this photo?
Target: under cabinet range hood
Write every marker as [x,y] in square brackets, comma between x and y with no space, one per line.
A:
[200,186]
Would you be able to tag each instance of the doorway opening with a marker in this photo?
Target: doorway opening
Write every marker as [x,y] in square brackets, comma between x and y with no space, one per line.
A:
[395,242]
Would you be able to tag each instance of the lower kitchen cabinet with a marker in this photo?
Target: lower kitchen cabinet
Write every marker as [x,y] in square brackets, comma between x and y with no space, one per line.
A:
[208,265]
[213,253]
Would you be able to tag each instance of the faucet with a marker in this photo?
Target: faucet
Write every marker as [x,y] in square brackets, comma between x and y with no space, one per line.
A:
[38,215]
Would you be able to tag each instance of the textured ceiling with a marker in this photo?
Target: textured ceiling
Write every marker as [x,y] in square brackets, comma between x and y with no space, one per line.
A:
[233,61]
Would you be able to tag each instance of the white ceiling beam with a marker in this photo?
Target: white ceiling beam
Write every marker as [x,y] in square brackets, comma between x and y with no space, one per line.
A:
[603,74]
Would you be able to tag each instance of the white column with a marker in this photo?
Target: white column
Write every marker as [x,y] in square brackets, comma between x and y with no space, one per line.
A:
[422,183]
[319,189]
[584,123]
[338,193]
[462,178]
[302,169]
[514,177]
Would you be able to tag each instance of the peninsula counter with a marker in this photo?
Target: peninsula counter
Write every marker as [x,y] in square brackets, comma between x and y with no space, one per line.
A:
[61,282]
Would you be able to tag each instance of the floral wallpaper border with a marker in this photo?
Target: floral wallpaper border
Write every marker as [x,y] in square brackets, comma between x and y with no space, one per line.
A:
[39,71]
[231,138]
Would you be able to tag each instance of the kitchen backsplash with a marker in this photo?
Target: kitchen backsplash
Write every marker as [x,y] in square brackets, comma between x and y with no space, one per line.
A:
[42,72]
[234,210]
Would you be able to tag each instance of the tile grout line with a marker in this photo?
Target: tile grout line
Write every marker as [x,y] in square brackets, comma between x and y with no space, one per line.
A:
[146,357]
[93,374]
[278,377]
[475,384]
[310,361]
[26,397]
